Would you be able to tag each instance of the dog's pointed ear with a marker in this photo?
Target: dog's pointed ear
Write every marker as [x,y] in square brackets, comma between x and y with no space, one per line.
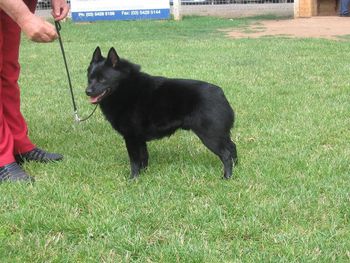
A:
[97,56]
[112,58]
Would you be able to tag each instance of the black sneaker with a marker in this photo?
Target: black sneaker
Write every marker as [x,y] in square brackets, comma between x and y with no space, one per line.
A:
[38,155]
[13,173]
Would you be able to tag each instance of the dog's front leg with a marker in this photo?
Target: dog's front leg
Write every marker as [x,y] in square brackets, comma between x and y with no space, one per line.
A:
[143,155]
[134,146]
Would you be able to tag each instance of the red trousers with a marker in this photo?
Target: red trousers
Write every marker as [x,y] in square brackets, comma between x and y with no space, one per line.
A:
[13,128]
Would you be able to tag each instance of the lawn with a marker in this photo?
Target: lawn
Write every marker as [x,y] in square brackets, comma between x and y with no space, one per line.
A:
[289,200]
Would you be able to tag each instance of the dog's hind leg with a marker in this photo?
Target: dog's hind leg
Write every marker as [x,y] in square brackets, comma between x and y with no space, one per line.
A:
[222,147]
[138,155]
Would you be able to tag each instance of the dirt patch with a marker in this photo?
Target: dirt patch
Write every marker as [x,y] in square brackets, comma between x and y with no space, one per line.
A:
[329,27]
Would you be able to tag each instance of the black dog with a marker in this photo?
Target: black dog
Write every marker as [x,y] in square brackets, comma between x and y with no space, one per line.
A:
[143,108]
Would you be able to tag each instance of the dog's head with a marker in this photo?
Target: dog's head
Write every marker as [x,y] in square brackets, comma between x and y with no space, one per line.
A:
[104,75]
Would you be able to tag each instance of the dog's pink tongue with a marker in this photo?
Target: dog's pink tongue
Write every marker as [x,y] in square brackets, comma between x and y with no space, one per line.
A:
[94,100]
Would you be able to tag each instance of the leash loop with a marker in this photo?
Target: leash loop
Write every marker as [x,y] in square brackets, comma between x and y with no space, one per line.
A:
[76,116]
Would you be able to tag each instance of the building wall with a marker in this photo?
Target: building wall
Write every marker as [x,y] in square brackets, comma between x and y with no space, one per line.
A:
[238,10]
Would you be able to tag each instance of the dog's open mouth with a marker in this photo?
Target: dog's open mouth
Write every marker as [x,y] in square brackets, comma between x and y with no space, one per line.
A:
[98,98]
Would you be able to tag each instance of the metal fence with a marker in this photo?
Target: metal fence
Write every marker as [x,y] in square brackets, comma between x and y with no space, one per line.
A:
[43,5]
[222,8]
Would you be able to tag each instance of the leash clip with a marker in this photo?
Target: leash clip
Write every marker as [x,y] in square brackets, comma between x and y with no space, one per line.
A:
[76,117]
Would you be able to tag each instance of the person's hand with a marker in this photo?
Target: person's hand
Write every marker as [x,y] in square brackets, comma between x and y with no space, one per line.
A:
[60,9]
[37,29]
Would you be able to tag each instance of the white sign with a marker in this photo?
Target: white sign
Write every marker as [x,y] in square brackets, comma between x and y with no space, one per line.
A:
[92,10]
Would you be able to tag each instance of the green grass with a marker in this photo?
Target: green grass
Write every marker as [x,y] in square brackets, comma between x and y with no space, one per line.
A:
[289,200]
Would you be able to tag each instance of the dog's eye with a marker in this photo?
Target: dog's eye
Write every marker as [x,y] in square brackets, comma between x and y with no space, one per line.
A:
[102,80]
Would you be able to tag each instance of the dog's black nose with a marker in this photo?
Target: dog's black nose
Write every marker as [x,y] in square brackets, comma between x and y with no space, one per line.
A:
[88,91]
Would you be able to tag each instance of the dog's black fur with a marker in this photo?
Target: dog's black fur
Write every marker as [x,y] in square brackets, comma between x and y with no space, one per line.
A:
[142,108]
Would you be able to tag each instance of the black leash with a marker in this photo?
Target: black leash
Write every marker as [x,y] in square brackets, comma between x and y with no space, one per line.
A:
[77,119]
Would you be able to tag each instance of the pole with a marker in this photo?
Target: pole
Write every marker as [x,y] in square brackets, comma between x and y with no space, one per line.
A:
[176,9]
